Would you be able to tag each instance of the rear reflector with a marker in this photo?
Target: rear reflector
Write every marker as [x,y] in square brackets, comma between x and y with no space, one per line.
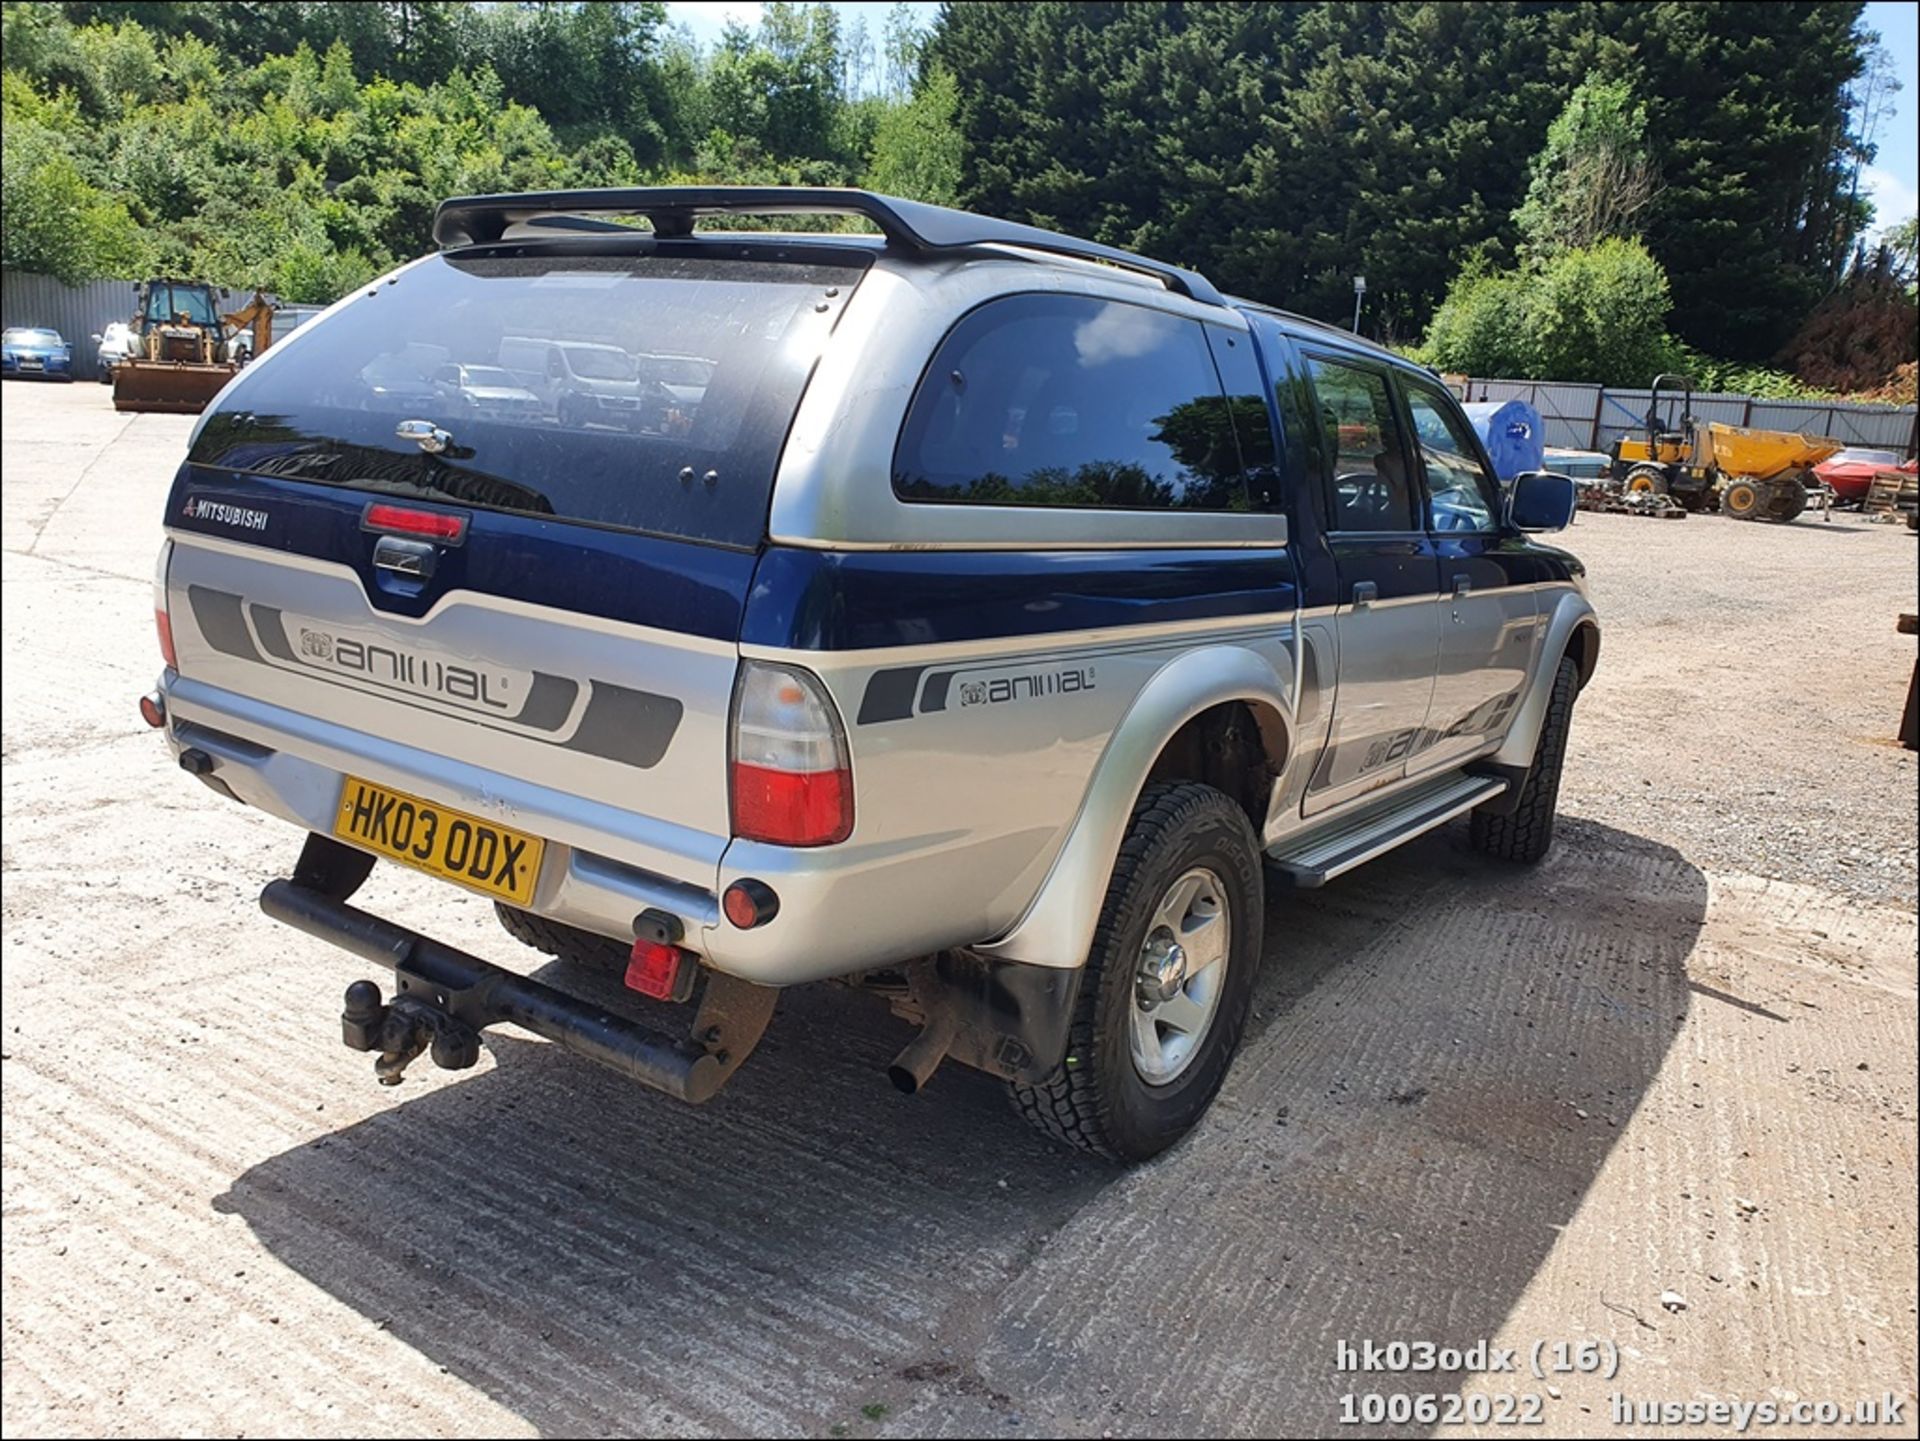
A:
[153,709]
[808,808]
[654,970]
[164,628]
[422,524]
[750,903]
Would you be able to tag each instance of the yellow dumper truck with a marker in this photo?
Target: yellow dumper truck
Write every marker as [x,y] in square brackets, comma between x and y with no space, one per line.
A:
[1750,474]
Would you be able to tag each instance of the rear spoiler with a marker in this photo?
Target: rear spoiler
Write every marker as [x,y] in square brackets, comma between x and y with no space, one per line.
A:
[909,226]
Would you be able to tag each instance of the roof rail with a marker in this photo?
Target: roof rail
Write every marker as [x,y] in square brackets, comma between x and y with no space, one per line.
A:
[1327,327]
[908,225]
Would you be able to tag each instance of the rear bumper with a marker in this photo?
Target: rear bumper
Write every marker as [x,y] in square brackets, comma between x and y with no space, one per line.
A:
[604,865]
[842,909]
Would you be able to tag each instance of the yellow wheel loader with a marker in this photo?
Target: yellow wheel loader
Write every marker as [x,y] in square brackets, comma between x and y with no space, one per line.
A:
[180,356]
[1749,474]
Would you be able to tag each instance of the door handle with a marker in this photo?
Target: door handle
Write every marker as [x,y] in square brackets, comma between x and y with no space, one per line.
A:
[1462,584]
[410,559]
[1365,593]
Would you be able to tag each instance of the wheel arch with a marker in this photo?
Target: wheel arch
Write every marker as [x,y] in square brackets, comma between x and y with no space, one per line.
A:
[1194,714]
[1572,631]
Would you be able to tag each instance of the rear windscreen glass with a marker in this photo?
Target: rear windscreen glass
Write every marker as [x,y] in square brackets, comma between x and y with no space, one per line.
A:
[648,392]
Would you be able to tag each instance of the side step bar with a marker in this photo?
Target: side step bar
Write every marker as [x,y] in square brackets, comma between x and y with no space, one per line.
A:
[446,996]
[1316,859]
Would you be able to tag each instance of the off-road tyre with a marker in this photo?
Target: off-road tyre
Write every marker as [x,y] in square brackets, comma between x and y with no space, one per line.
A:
[1787,501]
[1097,1099]
[1525,834]
[1650,479]
[564,942]
[1743,499]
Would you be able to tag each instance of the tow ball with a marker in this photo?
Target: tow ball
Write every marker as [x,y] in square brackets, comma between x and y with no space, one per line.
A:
[402,1030]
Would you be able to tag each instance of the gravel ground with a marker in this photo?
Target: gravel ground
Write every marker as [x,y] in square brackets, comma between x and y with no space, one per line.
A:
[1748,696]
[1475,1103]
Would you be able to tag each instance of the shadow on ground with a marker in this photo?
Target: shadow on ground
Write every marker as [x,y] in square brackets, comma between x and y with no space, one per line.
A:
[1393,1157]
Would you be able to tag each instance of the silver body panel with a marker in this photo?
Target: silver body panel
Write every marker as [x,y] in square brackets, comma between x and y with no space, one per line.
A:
[834,489]
[985,826]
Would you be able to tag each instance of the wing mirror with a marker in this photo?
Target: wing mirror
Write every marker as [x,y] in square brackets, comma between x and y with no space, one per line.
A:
[1540,501]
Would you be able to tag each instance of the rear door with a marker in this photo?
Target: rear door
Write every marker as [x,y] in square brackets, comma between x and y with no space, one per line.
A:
[359,545]
[1387,582]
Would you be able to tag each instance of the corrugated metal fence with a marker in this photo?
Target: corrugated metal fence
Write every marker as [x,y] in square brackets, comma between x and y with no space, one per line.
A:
[1592,417]
[77,312]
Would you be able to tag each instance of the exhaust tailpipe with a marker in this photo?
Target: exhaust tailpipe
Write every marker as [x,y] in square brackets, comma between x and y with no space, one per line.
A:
[921,1057]
[916,1063]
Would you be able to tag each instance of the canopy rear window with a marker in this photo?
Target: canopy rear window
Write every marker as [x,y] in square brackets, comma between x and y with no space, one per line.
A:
[650,392]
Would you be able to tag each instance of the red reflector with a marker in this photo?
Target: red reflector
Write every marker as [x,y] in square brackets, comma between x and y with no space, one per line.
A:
[750,903]
[788,808]
[165,628]
[653,969]
[153,710]
[405,520]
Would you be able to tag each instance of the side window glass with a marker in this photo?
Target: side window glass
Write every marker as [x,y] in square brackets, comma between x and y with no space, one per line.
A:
[1459,494]
[1246,402]
[1371,487]
[1070,400]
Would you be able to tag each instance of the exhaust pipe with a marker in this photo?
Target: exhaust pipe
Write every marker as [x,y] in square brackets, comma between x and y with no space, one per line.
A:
[921,1057]
[915,1065]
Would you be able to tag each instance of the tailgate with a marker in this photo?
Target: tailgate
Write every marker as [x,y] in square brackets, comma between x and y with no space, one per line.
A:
[582,668]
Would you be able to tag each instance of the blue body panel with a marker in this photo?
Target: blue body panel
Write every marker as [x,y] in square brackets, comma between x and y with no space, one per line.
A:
[617,575]
[859,600]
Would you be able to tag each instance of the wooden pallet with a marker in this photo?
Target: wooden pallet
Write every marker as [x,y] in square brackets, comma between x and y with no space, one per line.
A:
[1889,488]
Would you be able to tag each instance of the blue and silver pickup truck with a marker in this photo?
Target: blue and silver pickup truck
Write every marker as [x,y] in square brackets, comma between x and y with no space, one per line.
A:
[962,611]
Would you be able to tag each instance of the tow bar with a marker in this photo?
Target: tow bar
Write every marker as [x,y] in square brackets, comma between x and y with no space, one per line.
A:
[444,997]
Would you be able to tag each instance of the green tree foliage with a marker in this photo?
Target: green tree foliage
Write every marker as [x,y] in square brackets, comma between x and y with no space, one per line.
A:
[1286,148]
[1593,314]
[56,223]
[916,145]
[1903,252]
[1282,148]
[302,147]
[1593,177]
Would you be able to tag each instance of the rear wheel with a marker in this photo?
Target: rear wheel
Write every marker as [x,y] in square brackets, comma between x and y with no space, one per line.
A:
[1167,984]
[563,942]
[1647,479]
[1525,834]
[1788,499]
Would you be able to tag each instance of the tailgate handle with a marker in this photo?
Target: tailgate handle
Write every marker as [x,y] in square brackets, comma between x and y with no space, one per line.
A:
[414,559]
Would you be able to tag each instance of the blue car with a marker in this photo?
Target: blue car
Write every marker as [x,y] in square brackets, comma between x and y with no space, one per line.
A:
[39,354]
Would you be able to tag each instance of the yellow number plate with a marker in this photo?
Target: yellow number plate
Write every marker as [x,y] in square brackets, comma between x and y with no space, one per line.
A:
[439,840]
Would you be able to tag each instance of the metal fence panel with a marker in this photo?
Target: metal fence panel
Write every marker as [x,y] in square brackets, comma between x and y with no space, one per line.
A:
[77,312]
[1568,412]
[1589,417]
[1875,426]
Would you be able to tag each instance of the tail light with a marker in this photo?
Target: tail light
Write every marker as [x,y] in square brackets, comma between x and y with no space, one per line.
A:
[163,627]
[792,784]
